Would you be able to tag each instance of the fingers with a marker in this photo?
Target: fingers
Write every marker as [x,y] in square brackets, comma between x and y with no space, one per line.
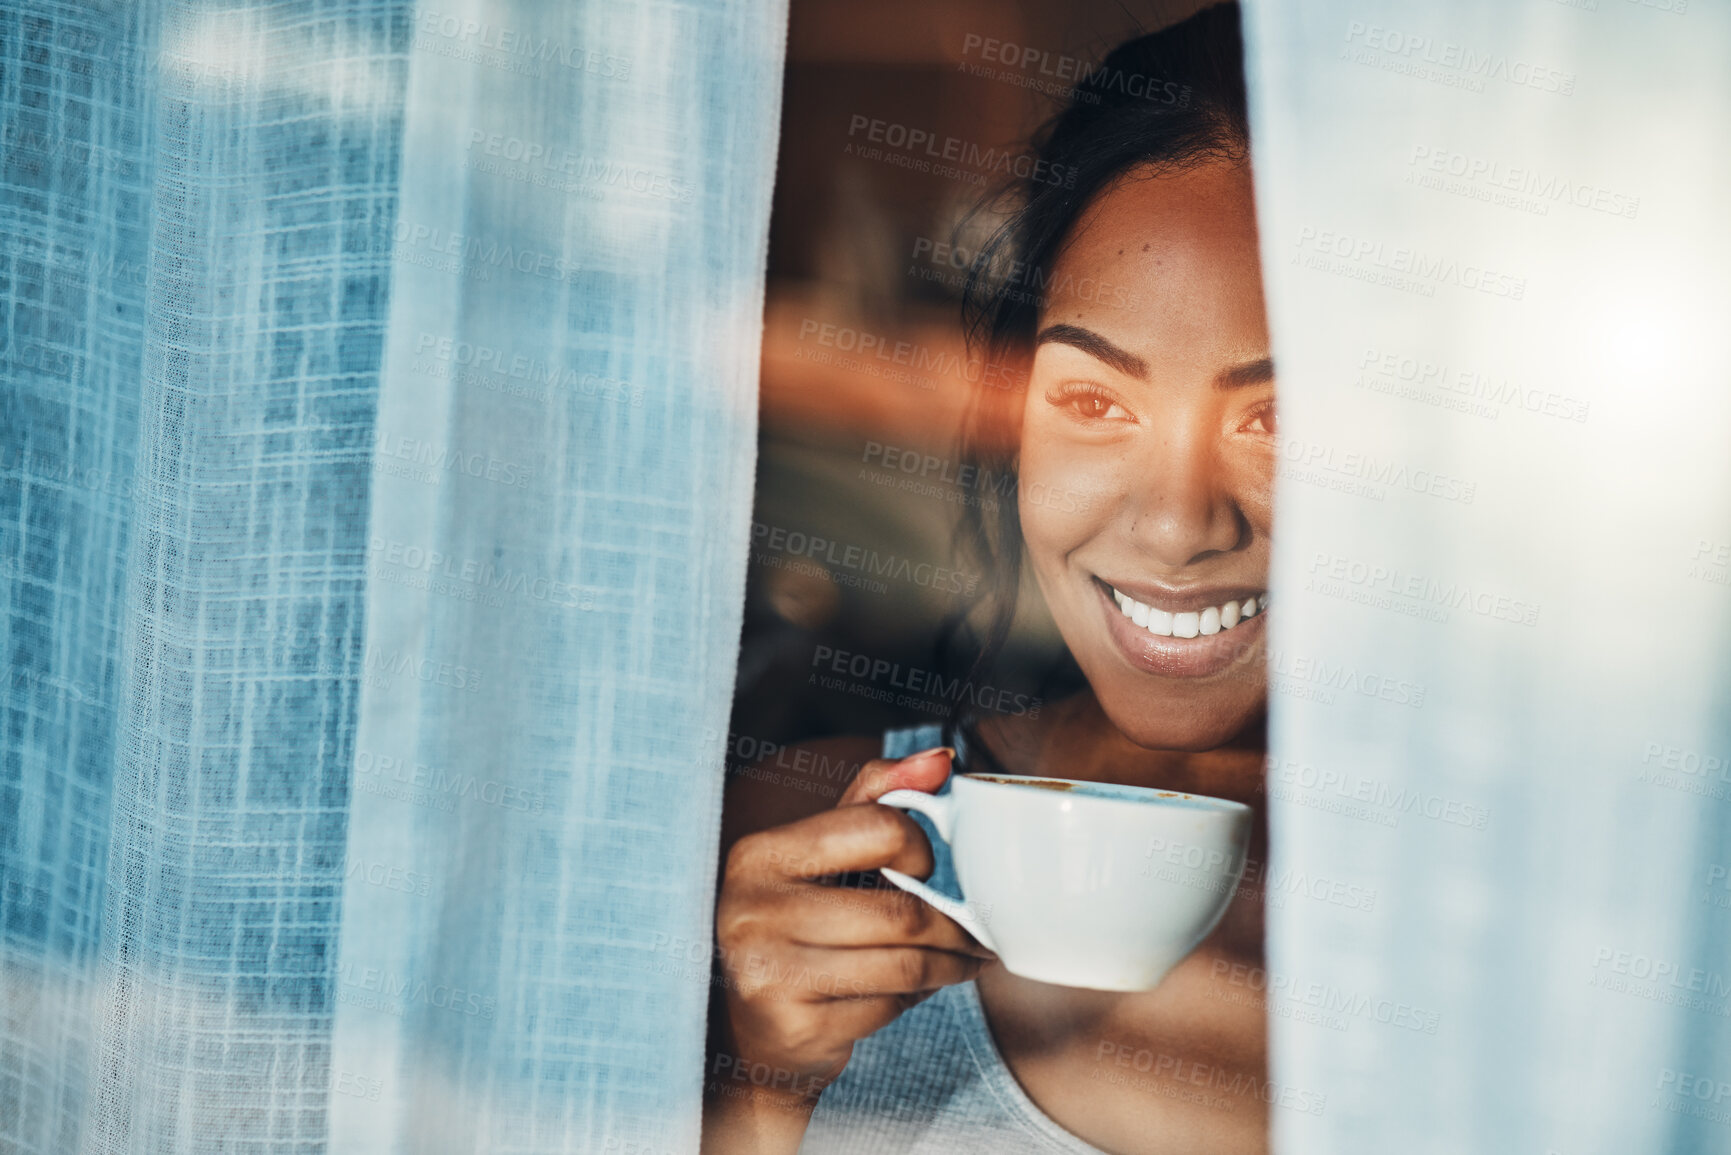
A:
[859,1018]
[834,841]
[820,975]
[828,916]
[809,968]
[923,771]
[853,836]
[856,1018]
[899,970]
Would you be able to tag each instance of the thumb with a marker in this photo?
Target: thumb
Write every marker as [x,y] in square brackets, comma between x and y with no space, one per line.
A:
[925,771]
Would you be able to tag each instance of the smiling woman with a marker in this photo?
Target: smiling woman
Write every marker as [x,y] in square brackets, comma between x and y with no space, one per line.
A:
[1163,418]
[882,1025]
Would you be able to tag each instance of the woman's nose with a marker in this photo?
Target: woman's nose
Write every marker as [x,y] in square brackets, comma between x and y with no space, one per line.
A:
[1180,507]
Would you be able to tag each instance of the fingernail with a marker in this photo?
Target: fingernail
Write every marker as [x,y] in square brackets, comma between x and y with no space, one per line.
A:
[950,750]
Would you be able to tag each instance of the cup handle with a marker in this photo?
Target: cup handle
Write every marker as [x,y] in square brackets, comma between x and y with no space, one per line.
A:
[940,809]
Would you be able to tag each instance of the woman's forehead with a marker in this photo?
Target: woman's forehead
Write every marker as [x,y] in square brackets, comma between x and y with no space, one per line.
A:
[1163,264]
[1149,220]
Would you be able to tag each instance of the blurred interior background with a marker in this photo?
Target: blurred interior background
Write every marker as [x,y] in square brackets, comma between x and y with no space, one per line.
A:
[865,374]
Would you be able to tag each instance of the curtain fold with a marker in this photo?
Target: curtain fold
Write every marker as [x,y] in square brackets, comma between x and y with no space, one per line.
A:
[379,414]
[74,195]
[1495,250]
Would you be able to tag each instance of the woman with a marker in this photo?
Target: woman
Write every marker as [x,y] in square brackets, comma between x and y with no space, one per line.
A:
[867,1021]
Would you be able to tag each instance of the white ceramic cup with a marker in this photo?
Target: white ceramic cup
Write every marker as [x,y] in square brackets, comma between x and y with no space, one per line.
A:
[1083,884]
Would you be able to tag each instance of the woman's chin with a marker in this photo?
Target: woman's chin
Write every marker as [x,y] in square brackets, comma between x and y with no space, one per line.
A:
[1181,725]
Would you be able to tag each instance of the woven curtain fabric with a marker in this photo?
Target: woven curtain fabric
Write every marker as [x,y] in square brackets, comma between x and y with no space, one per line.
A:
[1496,250]
[376,442]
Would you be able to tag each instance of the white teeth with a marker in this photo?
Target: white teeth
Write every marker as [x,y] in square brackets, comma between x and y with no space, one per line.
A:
[1202,623]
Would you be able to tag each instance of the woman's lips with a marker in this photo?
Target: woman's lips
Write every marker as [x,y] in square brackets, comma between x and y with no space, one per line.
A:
[1178,656]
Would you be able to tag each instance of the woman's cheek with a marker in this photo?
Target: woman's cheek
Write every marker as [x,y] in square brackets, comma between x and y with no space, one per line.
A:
[1063,498]
[1253,487]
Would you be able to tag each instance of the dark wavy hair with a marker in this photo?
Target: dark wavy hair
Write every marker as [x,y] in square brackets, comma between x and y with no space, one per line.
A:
[1160,103]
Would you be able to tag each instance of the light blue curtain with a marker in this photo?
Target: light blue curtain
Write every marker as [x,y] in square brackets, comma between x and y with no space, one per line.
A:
[375,458]
[1496,245]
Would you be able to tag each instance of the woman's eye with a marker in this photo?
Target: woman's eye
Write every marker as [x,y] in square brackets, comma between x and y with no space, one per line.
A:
[1263,420]
[1091,406]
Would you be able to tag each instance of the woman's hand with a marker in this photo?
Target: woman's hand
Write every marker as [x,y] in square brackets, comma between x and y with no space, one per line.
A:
[808,968]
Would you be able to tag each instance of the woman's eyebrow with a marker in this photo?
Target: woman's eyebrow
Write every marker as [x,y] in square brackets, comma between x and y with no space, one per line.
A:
[1095,346]
[1256,372]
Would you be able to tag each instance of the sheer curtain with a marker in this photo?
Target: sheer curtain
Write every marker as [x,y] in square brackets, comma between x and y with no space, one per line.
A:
[378,420]
[1496,250]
